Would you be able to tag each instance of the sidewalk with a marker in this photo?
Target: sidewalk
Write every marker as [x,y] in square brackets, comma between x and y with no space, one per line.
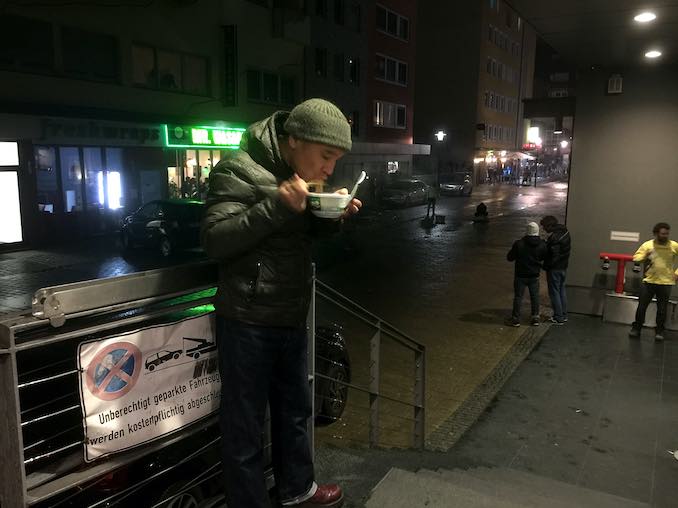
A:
[589,407]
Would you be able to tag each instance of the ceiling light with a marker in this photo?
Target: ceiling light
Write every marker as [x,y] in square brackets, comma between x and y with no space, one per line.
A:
[645,17]
[653,54]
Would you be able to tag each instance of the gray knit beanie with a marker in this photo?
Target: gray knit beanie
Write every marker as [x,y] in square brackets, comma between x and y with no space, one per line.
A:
[532,229]
[320,121]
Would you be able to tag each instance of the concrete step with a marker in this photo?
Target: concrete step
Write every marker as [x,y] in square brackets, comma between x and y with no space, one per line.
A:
[404,489]
[554,489]
[518,494]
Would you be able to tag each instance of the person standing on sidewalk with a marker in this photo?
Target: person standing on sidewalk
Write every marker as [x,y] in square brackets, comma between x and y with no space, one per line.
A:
[558,246]
[528,254]
[258,227]
[659,256]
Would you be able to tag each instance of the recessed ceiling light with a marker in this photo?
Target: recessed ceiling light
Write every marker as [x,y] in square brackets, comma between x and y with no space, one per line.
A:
[645,17]
[653,54]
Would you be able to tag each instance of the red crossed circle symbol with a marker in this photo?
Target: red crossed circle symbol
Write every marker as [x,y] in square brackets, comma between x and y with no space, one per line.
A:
[114,371]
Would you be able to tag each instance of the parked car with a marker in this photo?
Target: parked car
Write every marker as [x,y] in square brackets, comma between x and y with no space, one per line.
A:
[459,184]
[161,357]
[333,369]
[165,225]
[404,193]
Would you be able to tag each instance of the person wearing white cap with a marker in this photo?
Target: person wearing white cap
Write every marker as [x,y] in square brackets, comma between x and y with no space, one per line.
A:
[528,254]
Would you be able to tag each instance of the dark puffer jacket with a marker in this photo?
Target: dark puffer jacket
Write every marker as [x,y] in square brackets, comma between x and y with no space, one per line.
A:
[528,253]
[263,248]
[559,245]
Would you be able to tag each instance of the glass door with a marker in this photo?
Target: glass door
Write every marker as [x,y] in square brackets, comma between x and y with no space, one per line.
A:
[10,207]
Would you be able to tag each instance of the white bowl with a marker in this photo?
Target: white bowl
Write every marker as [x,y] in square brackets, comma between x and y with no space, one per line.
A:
[328,205]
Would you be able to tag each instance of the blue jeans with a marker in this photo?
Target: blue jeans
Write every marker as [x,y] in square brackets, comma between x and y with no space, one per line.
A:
[258,365]
[519,285]
[557,293]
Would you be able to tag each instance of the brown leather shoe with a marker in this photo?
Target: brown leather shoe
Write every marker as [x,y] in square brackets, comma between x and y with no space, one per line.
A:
[329,496]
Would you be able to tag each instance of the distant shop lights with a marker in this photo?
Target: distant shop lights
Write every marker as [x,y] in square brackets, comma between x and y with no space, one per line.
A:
[645,17]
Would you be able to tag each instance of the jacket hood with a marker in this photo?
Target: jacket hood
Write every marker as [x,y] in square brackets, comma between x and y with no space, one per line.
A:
[532,240]
[260,141]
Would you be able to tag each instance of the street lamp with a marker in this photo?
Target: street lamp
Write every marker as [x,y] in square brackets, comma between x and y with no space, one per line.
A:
[440,136]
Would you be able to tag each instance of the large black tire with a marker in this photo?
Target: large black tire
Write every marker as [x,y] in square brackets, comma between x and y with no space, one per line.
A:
[165,247]
[176,356]
[151,367]
[333,395]
[126,242]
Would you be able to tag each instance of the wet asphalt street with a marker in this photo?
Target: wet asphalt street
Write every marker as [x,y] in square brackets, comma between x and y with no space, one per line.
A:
[449,287]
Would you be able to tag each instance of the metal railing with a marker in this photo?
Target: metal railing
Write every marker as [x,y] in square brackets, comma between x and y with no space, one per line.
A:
[380,332]
[40,409]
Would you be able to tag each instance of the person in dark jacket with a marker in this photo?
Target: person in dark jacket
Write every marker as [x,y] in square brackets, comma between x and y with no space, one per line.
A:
[558,246]
[528,253]
[259,228]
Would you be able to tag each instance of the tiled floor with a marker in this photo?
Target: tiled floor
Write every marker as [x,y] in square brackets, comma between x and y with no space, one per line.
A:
[589,406]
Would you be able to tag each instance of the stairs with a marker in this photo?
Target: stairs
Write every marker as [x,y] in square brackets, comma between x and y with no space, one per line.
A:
[486,488]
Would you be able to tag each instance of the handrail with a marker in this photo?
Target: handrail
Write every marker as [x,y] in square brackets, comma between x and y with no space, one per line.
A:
[418,405]
[409,342]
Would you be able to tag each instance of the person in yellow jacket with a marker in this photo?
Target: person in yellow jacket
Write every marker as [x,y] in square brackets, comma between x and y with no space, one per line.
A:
[659,257]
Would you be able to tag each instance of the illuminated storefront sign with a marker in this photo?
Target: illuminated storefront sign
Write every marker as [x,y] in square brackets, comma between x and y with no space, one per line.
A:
[187,136]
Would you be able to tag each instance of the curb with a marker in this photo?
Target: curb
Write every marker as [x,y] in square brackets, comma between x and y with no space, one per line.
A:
[452,429]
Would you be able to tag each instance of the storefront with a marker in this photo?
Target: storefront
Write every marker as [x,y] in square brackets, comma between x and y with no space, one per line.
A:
[11,230]
[70,178]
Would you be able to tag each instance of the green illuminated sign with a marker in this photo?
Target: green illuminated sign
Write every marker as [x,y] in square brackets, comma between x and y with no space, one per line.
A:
[188,136]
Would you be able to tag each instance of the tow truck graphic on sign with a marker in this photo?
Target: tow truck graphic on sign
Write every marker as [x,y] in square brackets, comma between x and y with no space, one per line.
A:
[193,347]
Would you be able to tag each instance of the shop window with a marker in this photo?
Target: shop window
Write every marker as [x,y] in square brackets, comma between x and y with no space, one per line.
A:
[90,55]
[114,170]
[10,209]
[287,95]
[404,29]
[169,70]
[339,66]
[253,85]
[321,8]
[392,23]
[354,71]
[195,75]
[94,171]
[9,153]
[26,44]
[387,114]
[46,178]
[271,87]
[354,120]
[143,66]
[71,179]
[356,17]
[391,70]
[321,62]
[339,12]
[173,182]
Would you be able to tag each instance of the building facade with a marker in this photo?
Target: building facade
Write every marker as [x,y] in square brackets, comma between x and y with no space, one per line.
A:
[106,108]
[477,60]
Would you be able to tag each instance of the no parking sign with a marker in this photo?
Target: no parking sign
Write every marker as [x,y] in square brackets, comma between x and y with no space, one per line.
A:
[142,385]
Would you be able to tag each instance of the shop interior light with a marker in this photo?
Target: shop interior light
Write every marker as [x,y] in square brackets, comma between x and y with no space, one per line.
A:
[653,54]
[10,210]
[564,144]
[645,17]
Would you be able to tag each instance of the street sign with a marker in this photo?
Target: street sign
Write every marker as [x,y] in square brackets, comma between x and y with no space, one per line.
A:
[189,136]
[142,385]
